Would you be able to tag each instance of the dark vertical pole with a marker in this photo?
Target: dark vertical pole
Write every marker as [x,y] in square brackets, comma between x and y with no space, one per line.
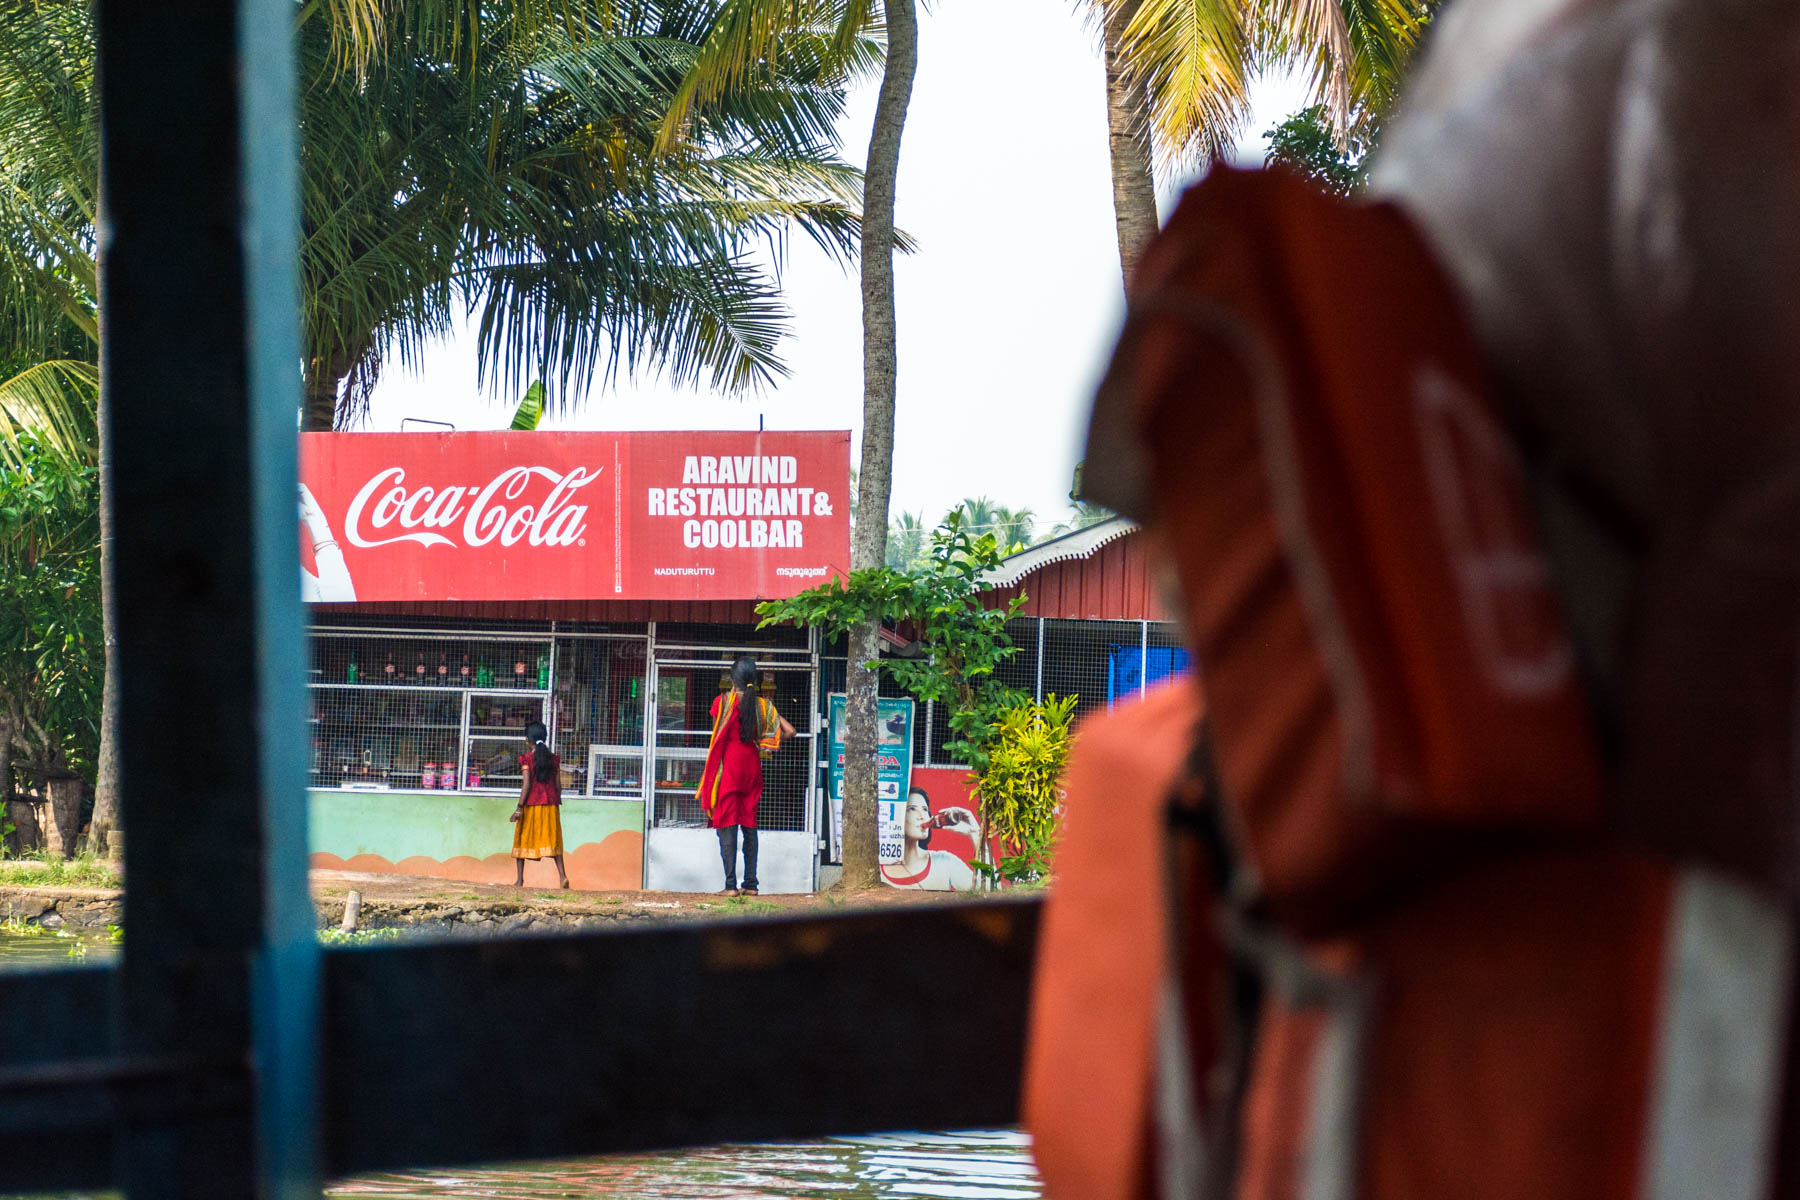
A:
[202,390]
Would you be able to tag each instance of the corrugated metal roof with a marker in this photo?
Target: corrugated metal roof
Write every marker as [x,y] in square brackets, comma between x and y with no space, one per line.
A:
[1080,544]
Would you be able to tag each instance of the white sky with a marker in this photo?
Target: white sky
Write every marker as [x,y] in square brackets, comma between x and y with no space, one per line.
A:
[1005,314]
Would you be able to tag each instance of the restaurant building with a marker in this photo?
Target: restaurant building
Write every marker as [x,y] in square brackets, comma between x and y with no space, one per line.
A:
[465,584]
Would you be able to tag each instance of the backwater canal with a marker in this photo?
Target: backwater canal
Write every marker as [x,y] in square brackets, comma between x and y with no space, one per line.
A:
[967,1165]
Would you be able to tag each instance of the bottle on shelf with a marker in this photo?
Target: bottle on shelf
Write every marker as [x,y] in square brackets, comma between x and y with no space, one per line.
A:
[464,677]
[543,672]
[484,675]
[387,672]
[519,672]
[443,671]
[428,776]
[351,674]
[447,773]
[419,669]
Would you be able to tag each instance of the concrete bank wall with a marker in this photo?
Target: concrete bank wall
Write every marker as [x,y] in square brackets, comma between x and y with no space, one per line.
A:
[455,835]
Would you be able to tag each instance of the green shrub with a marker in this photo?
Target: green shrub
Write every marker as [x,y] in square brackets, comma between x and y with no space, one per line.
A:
[1021,790]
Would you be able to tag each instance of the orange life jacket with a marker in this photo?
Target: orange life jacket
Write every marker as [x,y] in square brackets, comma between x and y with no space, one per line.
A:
[1464,986]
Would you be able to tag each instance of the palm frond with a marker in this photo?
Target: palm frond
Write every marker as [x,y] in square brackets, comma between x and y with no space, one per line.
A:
[1355,50]
[52,403]
[747,36]
[1193,60]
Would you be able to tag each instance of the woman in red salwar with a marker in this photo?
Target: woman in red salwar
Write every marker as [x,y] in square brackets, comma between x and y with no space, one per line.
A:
[731,786]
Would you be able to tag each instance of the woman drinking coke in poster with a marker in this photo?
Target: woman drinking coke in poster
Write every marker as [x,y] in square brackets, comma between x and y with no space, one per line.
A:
[922,869]
[745,726]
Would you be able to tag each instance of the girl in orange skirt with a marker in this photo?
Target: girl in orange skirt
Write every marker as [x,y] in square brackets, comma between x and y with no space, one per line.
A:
[537,822]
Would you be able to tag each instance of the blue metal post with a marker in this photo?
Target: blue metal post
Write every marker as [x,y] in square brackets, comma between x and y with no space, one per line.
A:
[201,375]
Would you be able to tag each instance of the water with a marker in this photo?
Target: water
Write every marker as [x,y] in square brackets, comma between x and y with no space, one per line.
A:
[48,950]
[974,1165]
[985,1165]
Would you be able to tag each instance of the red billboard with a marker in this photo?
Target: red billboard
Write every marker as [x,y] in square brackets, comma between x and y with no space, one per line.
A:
[572,516]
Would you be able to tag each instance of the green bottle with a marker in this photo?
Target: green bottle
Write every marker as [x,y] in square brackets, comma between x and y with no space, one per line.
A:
[351,673]
[543,666]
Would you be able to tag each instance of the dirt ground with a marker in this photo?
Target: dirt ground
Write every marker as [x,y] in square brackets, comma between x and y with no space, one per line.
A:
[422,903]
[417,900]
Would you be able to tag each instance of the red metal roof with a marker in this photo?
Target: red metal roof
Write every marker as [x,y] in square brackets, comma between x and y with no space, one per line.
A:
[714,612]
[1111,583]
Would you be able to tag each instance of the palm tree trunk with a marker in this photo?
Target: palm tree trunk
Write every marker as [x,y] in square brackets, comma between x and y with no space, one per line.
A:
[10,822]
[874,481]
[324,379]
[1128,137]
[106,770]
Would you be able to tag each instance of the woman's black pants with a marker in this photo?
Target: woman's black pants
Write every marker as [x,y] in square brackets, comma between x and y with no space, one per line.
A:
[728,850]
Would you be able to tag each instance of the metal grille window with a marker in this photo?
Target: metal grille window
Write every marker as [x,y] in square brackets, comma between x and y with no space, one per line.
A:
[692,668]
[684,698]
[600,702]
[403,710]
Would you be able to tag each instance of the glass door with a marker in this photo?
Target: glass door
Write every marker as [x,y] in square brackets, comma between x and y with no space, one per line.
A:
[684,696]
[685,692]
[599,703]
[680,853]
[494,738]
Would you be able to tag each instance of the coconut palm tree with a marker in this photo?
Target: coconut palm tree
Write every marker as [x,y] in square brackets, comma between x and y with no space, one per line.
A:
[49,322]
[906,542]
[1178,75]
[525,189]
[1012,528]
[518,184]
[1081,515]
[746,34]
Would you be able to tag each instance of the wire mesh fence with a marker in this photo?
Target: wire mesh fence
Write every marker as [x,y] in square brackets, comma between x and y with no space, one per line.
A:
[1100,663]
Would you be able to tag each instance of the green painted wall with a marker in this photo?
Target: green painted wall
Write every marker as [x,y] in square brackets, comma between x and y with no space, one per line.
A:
[446,825]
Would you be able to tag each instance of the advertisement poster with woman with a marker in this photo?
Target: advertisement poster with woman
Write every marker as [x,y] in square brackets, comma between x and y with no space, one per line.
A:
[920,846]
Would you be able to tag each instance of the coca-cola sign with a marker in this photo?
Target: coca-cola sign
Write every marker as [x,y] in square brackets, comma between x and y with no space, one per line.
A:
[384,502]
[517,516]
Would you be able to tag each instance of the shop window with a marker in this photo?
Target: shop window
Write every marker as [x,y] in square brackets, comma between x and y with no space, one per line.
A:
[599,705]
[404,711]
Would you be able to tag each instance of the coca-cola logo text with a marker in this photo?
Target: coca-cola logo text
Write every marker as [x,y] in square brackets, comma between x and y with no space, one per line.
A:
[485,513]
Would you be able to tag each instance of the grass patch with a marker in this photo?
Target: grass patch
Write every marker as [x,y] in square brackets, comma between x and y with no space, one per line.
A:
[84,871]
[739,905]
[612,899]
[360,937]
